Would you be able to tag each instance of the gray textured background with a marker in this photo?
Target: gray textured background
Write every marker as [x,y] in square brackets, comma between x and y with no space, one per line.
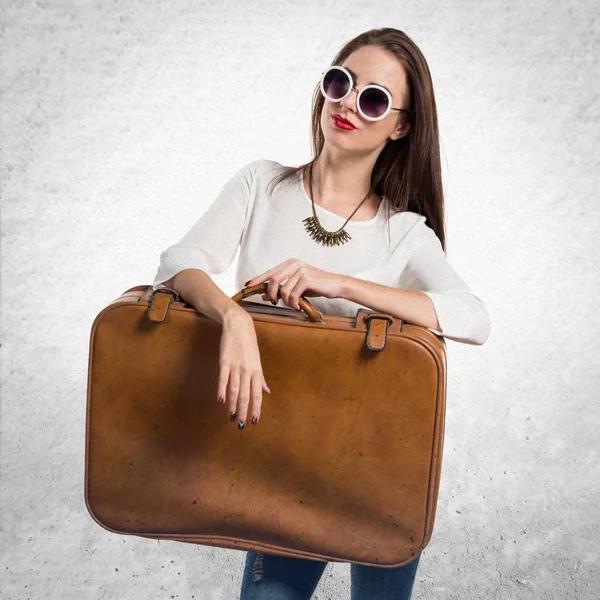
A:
[113,145]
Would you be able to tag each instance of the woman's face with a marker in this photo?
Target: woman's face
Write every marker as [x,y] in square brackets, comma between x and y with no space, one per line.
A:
[370,64]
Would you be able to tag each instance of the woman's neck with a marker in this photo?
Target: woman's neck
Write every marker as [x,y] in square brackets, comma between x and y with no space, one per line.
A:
[340,184]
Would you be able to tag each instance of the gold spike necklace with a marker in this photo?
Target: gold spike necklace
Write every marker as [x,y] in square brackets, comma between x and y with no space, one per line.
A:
[316,230]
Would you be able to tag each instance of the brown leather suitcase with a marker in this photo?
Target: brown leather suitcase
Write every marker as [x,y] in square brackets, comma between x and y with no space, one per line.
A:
[344,464]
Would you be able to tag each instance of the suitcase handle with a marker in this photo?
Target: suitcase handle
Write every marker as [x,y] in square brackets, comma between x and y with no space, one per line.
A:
[376,323]
[160,299]
[261,288]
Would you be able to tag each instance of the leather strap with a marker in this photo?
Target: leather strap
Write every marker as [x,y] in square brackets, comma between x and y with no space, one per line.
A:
[160,302]
[377,327]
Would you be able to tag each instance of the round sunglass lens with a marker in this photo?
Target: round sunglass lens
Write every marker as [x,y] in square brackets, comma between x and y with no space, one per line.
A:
[336,84]
[373,102]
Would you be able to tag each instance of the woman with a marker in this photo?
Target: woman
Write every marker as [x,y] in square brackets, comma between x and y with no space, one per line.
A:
[360,225]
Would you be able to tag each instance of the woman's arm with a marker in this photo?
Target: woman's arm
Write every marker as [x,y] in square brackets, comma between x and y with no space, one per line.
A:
[411,306]
[197,288]
[211,243]
[430,293]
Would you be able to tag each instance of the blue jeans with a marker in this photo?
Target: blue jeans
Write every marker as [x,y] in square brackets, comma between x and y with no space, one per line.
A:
[271,577]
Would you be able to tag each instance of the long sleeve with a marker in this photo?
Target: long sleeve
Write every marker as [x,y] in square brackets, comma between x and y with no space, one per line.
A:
[462,315]
[212,242]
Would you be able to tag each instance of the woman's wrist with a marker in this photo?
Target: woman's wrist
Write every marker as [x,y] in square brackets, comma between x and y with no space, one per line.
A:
[233,315]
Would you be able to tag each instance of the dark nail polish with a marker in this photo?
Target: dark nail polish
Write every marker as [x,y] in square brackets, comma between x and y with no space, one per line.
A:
[247,282]
[232,416]
[240,424]
[273,302]
[221,400]
[254,420]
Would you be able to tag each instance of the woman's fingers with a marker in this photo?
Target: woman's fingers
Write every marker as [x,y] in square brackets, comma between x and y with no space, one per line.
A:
[243,399]
[242,395]
[265,385]
[241,382]
[265,299]
[233,390]
[250,399]
[222,384]
[256,399]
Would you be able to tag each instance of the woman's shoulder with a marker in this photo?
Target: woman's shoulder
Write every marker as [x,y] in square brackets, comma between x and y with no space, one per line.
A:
[259,166]
[407,220]
[246,175]
[258,169]
[410,229]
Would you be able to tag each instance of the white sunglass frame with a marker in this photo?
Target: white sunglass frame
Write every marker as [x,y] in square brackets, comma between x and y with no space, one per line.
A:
[360,91]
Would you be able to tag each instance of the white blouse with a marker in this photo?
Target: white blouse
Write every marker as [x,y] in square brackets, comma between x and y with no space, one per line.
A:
[403,253]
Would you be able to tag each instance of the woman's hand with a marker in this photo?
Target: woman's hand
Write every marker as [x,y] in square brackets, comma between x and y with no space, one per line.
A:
[294,278]
[241,381]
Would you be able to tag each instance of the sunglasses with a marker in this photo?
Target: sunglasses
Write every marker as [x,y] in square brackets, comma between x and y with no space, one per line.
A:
[374,102]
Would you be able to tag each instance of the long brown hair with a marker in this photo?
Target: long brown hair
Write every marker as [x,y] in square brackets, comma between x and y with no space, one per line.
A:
[408,170]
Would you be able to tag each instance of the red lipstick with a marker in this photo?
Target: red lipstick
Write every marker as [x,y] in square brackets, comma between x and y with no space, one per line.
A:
[342,123]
